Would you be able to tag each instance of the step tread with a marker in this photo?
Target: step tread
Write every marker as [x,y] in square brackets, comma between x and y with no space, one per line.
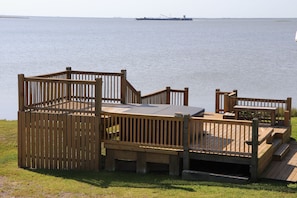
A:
[282,150]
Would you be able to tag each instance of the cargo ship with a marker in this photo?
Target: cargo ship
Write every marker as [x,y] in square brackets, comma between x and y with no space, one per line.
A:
[184,18]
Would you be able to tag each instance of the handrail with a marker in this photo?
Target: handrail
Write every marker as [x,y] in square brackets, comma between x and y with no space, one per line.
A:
[281,105]
[62,74]
[225,102]
[167,96]
[133,96]
[221,100]
[59,95]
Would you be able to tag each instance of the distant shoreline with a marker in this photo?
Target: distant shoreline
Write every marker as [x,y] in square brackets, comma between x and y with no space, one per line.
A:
[13,17]
[194,18]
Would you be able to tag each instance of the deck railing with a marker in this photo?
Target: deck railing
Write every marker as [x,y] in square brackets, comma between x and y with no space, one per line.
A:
[222,103]
[132,95]
[225,102]
[111,83]
[59,95]
[117,89]
[58,75]
[223,137]
[144,130]
[167,96]
[283,108]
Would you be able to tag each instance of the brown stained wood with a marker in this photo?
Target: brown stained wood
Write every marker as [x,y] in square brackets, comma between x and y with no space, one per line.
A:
[157,158]
[46,143]
[47,96]
[41,139]
[281,152]
[286,169]
[19,137]
[46,140]
[21,92]
[69,142]
[50,141]
[56,146]
[39,129]
[29,144]
[60,143]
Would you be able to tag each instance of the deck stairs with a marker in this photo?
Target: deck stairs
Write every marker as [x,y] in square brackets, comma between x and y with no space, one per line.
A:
[273,146]
[279,154]
[282,136]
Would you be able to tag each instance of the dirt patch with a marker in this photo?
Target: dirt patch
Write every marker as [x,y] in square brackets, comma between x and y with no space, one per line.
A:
[2,192]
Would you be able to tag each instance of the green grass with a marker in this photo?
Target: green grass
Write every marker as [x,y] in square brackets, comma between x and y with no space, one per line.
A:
[18,182]
[294,127]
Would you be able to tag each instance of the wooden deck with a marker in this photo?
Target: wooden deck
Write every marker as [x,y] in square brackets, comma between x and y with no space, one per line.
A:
[157,128]
[286,169]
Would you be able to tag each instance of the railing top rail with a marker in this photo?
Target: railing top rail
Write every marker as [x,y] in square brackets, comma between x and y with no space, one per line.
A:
[154,94]
[51,74]
[131,86]
[78,72]
[213,120]
[223,92]
[40,79]
[96,73]
[177,90]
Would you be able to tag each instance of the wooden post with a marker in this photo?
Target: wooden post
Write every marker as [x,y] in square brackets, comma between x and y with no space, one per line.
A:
[98,96]
[98,106]
[68,76]
[186,154]
[21,78]
[21,127]
[123,86]
[141,165]
[168,95]
[289,105]
[226,103]
[254,160]
[217,102]
[287,119]
[186,96]
[233,100]
[139,97]
[235,91]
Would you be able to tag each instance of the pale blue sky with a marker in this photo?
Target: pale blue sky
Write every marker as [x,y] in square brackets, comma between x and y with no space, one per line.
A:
[152,8]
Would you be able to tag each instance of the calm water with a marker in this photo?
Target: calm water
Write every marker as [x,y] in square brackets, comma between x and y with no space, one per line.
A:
[256,56]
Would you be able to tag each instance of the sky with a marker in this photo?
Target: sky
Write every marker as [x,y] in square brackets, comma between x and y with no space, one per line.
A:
[152,8]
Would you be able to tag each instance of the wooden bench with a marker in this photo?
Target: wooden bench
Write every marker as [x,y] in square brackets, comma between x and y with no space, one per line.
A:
[269,110]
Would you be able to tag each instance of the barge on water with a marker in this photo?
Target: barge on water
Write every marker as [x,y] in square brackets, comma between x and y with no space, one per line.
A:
[184,18]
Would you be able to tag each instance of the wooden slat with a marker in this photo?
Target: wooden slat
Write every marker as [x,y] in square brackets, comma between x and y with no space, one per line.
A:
[45,139]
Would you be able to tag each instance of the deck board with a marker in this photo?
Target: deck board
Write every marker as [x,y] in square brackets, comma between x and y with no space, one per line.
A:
[285,170]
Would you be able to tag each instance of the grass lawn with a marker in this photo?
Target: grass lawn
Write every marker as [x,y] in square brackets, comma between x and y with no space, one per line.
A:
[17,182]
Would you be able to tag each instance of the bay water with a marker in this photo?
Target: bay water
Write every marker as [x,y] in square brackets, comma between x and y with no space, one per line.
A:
[258,57]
